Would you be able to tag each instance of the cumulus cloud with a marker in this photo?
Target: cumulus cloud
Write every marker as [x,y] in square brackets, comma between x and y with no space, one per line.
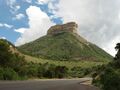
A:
[39,23]
[6,25]
[99,20]
[19,16]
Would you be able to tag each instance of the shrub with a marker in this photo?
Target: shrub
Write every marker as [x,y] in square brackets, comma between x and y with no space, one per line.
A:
[1,74]
[61,71]
[109,79]
[9,74]
[50,71]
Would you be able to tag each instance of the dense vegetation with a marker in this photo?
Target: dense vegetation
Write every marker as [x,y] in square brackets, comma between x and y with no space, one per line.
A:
[17,66]
[64,46]
[107,77]
[10,62]
[14,67]
[75,68]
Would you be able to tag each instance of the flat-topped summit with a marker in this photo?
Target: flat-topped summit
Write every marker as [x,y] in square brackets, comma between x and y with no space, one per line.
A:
[68,27]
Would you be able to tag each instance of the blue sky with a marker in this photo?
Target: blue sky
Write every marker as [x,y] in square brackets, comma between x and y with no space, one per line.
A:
[22,21]
[8,11]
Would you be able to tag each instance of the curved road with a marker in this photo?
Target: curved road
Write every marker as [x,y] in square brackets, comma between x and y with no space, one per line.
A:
[74,84]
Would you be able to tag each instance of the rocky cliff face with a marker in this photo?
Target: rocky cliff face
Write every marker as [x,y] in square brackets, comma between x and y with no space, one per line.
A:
[68,27]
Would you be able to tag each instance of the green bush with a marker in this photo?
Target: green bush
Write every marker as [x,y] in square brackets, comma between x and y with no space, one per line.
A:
[49,71]
[46,70]
[5,53]
[8,74]
[108,79]
[41,71]
[61,71]
[80,71]
[1,74]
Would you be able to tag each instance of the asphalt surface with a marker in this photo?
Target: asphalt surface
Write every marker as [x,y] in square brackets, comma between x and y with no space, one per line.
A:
[46,85]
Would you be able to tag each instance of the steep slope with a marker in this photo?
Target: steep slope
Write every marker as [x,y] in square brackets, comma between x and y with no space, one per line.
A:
[11,48]
[64,46]
[9,56]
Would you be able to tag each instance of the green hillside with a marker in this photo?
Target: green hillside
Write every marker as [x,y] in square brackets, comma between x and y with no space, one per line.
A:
[64,46]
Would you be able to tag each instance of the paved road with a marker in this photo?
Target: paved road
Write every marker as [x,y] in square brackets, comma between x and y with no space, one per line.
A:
[45,85]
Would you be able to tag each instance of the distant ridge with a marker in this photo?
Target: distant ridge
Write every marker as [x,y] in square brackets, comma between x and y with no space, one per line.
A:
[63,43]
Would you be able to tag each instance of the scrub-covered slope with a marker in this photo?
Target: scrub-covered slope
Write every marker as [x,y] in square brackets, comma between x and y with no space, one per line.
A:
[63,43]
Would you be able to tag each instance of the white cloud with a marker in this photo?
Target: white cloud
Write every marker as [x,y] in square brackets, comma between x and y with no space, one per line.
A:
[52,5]
[13,5]
[39,23]
[42,1]
[19,16]
[6,25]
[2,37]
[1,25]
[110,47]
[28,1]
[11,2]
[17,7]
[98,19]
[21,30]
